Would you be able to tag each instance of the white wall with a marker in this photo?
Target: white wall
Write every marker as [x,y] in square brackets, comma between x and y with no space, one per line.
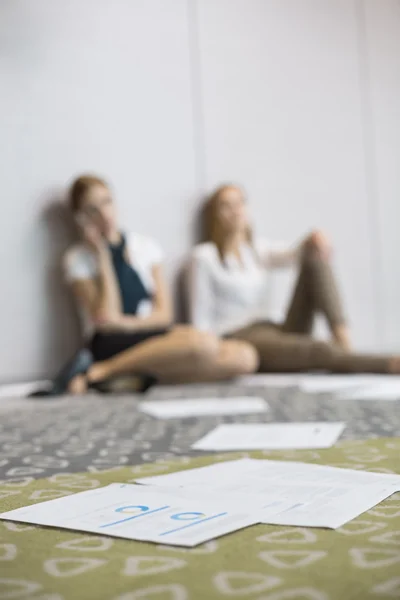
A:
[282,106]
[297,99]
[382,44]
[86,85]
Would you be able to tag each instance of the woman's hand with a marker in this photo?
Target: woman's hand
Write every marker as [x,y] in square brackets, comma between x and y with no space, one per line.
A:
[93,237]
[117,323]
[131,323]
[107,322]
[319,242]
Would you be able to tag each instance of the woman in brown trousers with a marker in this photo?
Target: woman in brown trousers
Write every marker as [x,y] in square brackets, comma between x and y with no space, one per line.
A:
[229,292]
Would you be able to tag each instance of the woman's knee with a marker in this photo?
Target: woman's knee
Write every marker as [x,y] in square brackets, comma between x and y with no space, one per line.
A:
[200,345]
[249,359]
[242,357]
[312,259]
[317,266]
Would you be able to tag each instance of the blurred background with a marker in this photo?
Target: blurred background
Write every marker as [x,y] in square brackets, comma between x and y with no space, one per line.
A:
[298,100]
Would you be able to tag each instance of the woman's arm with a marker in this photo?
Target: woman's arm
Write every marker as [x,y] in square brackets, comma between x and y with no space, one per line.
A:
[280,255]
[161,315]
[99,296]
[109,304]
[94,285]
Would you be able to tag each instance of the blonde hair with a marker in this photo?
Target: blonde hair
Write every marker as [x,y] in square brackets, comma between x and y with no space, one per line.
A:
[212,229]
[80,188]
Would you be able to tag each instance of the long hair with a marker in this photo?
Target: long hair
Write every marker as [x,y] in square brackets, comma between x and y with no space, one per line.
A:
[80,188]
[212,229]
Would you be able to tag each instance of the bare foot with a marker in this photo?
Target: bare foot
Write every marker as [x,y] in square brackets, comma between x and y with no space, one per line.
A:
[78,385]
[341,337]
[97,372]
[394,365]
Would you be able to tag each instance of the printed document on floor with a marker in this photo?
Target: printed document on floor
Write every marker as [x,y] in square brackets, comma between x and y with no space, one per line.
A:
[270,436]
[387,390]
[196,407]
[144,513]
[303,494]
[273,380]
[338,384]
[316,495]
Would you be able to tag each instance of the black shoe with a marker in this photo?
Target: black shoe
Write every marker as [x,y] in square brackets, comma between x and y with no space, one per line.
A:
[43,393]
[78,365]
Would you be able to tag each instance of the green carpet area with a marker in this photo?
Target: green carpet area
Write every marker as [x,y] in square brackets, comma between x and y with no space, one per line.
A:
[359,561]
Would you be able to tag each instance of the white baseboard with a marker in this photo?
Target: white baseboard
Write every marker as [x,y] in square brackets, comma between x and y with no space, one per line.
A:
[21,390]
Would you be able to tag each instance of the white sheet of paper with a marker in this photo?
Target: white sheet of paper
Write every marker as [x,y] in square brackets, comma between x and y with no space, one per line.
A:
[270,380]
[315,495]
[235,475]
[388,390]
[339,383]
[271,436]
[194,407]
[208,476]
[384,385]
[144,513]
[302,494]
[326,509]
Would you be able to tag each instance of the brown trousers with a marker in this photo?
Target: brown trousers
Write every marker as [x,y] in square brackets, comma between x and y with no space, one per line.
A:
[289,347]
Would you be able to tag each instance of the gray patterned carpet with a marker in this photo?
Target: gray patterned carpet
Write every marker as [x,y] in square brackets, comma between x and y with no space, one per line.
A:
[40,437]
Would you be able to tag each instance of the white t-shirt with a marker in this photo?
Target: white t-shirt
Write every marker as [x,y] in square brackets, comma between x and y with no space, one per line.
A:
[225,296]
[80,262]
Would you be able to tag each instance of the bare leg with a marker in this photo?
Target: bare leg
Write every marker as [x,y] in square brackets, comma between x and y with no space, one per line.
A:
[180,356]
[233,358]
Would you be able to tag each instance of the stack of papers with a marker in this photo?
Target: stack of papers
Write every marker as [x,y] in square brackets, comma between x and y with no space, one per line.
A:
[193,506]
[135,512]
[197,407]
[358,387]
[270,436]
[302,494]
[333,383]
[273,380]
[379,390]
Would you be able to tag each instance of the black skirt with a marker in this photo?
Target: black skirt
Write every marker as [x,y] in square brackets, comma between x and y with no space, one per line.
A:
[106,345]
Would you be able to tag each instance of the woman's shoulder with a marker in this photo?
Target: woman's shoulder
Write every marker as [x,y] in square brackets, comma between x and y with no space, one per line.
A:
[79,262]
[205,252]
[78,252]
